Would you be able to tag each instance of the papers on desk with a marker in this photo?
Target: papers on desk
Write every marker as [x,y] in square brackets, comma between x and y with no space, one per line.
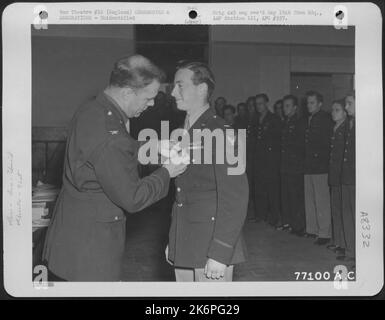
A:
[42,194]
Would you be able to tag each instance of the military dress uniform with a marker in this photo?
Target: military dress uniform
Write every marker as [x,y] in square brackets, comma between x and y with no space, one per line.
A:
[292,169]
[86,237]
[317,195]
[249,124]
[209,210]
[337,145]
[267,168]
[348,181]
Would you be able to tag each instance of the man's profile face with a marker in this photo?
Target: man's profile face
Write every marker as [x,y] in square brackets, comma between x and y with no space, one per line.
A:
[251,107]
[219,105]
[228,116]
[313,105]
[242,110]
[278,109]
[350,105]
[140,99]
[185,92]
[261,105]
[338,112]
[288,108]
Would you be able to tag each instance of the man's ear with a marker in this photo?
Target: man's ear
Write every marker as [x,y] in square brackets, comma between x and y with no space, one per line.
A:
[203,89]
[126,92]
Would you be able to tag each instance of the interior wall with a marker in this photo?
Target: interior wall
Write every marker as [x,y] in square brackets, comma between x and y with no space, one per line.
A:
[259,59]
[67,70]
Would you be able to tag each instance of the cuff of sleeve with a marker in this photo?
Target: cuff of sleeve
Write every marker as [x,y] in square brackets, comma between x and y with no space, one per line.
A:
[163,174]
[221,252]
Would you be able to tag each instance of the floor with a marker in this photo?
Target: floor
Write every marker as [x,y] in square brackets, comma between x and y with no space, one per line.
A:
[272,255]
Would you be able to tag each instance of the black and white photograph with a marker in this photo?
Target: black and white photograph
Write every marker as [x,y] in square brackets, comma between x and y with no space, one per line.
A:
[197,152]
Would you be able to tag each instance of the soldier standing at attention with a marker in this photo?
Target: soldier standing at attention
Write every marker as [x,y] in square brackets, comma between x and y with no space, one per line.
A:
[292,166]
[348,181]
[267,163]
[337,146]
[85,240]
[208,215]
[317,151]
[250,156]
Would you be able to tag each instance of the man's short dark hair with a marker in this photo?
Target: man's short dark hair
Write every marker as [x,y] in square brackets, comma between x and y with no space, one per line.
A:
[263,96]
[291,97]
[316,94]
[351,94]
[220,98]
[229,107]
[202,74]
[341,102]
[135,72]
[252,98]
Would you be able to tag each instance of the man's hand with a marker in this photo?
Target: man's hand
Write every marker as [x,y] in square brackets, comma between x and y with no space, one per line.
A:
[214,269]
[166,254]
[175,169]
[168,148]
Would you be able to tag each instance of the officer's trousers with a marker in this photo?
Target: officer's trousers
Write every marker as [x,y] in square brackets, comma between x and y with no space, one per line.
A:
[267,198]
[293,202]
[349,219]
[338,237]
[197,275]
[317,205]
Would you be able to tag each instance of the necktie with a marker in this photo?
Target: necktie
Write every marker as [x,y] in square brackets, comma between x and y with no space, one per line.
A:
[187,122]
[128,126]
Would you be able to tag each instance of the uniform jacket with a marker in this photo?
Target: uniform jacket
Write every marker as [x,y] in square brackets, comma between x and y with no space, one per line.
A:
[268,145]
[337,145]
[348,176]
[85,240]
[209,210]
[317,143]
[249,125]
[293,145]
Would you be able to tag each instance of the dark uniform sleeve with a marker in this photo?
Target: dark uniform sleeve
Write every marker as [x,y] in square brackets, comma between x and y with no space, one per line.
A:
[116,169]
[233,194]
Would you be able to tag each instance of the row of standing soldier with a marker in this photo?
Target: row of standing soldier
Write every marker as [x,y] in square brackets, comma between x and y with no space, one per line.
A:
[301,169]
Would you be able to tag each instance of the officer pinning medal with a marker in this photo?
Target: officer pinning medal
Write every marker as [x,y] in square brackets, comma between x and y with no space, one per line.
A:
[86,238]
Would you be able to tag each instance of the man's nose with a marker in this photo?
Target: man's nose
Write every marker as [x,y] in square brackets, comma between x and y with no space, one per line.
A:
[173,92]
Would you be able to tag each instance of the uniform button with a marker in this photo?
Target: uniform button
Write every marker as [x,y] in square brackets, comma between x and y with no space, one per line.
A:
[180,204]
[345,159]
[178,189]
[109,113]
[212,218]
[116,218]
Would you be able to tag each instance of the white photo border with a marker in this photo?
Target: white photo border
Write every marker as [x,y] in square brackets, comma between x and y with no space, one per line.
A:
[17,212]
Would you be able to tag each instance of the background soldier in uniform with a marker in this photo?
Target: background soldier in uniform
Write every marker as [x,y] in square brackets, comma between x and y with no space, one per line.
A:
[292,162]
[86,237]
[337,145]
[348,180]
[267,163]
[317,152]
[211,205]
